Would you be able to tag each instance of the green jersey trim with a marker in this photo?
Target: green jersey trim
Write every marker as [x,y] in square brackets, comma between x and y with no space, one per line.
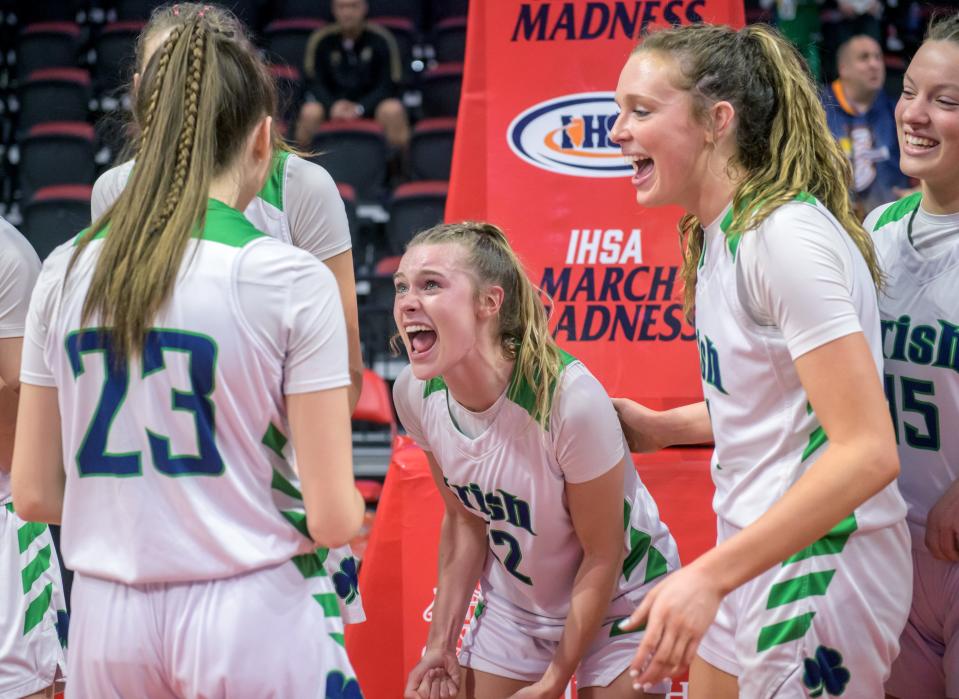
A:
[899,210]
[733,239]
[223,224]
[272,192]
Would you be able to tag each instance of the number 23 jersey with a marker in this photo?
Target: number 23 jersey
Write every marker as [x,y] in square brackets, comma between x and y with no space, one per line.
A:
[173,459]
[513,475]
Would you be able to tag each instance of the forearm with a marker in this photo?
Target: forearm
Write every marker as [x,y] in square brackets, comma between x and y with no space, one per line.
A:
[842,479]
[589,604]
[687,424]
[461,558]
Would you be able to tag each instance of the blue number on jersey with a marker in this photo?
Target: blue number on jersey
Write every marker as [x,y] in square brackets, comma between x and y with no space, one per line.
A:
[93,458]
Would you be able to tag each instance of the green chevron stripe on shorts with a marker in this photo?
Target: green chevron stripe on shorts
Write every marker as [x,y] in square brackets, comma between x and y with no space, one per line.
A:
[784,631]
[833,542]
[639,548]
[310,565]
[37,608]
[35,568]
[788,591]
[28,533]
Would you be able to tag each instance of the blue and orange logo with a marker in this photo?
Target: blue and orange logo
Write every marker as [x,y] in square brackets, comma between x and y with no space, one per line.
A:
[569,135]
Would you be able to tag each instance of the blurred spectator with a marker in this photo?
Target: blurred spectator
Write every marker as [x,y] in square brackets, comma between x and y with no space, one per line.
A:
[861,117]
[798,20]
[352,69]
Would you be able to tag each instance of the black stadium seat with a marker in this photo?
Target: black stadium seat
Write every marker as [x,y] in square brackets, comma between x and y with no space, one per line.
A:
[54,94]
[116,48]
[56,214]
[47,45]
[285,39]
[449,40]
[56,153]
[441,90]
[354,153]
[415,207]
[431,148]
[444,9]
[411,10]
[300,9]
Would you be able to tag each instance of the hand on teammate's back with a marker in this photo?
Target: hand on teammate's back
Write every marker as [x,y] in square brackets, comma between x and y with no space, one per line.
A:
[637,422]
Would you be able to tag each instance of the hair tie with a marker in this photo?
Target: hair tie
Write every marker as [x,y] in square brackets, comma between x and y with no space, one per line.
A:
[203,10]
[176,10]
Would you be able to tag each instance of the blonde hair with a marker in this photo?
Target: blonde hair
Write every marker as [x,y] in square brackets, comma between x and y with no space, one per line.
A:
[524,334]
[204,94]
[943,27]
[784,146]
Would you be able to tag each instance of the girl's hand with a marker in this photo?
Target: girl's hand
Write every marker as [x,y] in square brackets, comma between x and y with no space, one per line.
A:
[942,526]
[676,613]
[435,676]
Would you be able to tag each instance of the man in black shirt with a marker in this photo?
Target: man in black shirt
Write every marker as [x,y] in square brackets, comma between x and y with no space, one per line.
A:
[352,69]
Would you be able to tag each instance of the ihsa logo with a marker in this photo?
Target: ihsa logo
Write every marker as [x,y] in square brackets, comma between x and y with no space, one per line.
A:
[569,135]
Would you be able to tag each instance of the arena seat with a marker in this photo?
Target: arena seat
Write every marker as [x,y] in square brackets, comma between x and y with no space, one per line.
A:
[431,148]
[441,90]
[285,39]
[411,10]
[373,418]
[444,9]
[56,153]
[116,53]
[47,45]
[301,9]
[289,90]
[54,94]
[415,207]
[449,40]
[56,214]
[354,153]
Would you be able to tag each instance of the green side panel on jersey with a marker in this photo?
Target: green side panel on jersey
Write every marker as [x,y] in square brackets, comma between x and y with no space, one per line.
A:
[816,439]
[480,608]
[328,600]
[784,631]
[788,591]
[899,210]
[27,533]
[35,568]
[284,486]
[298,520]
[37,608]
[520,392]
[433,385]
[627,510]
[272,192]
[310,565]
[831,543]
[275,440]
[656,565]
[338,637]
[638,547]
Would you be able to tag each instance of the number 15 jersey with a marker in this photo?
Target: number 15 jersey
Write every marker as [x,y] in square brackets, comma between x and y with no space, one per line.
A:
[174,459]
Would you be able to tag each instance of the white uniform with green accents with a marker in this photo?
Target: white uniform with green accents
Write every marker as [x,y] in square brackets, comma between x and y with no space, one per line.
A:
[513,475]
[300,205]
[827,620]
[32,608]
[179,510]
[920,333]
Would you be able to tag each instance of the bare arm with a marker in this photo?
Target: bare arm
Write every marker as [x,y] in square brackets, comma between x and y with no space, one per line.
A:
[342,267]
[37,477]
[651,430]
[320,426]
[10,350]
[462,554]
[860,459]
[596,510]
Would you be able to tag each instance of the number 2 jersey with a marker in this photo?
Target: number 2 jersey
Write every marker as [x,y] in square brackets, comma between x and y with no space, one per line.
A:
[175,461]
[514,474]
[919,308]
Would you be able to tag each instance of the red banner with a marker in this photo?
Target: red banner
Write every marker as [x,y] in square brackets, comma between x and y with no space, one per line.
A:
[533,156]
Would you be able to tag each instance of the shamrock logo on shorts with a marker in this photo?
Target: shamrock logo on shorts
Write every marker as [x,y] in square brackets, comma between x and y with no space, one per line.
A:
[346,580]
[339,687]
[825,672]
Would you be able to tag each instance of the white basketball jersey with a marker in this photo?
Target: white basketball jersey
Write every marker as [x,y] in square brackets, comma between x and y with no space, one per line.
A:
[765,431]
[920,343]
[174,460]
[513,476]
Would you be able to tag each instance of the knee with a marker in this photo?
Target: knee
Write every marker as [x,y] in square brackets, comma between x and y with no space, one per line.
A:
[312,114]
[391,111]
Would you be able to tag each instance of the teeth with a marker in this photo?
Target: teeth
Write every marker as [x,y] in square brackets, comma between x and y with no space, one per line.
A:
[417,329]
[917,141]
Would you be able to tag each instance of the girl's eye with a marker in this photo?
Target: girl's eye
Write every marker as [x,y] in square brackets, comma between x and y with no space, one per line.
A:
[640,112]
[948,103]
[430,284]
[400,288]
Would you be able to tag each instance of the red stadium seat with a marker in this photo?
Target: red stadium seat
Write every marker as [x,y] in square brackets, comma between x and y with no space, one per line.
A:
[54,94]
[431,148]
[47,45]
[54,153]
[441,90]
[55,214]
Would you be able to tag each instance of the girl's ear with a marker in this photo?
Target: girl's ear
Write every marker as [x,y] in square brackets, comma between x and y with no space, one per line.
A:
[490,301]
[722,116]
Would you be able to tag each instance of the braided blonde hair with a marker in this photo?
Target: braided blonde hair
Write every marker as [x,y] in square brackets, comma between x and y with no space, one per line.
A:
[206,94]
